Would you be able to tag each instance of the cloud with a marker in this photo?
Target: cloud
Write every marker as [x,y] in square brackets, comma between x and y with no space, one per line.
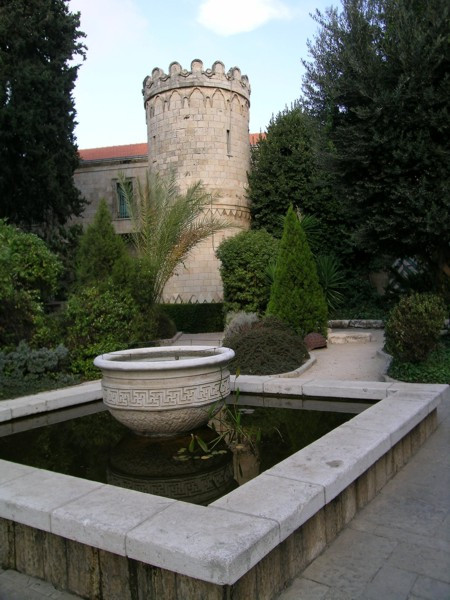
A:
[227,17]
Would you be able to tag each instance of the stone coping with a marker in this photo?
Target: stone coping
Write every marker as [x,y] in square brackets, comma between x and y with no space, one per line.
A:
[221,542]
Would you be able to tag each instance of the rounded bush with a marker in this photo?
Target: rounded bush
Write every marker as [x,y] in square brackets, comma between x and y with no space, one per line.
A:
[268,348]
[413,328]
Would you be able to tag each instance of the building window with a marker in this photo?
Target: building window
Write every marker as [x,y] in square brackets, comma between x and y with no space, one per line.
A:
[122,205]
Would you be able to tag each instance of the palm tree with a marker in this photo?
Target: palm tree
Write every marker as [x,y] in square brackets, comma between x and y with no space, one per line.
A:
[166,226]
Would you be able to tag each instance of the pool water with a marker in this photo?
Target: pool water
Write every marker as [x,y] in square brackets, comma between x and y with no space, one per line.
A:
[197,467]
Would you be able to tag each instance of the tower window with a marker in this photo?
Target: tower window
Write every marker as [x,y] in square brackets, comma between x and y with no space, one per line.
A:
[228,142]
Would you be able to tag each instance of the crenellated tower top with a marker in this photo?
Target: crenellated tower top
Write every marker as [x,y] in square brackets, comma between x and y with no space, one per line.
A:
[177,77]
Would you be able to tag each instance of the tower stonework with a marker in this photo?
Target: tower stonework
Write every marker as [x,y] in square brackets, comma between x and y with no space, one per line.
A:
[197,125]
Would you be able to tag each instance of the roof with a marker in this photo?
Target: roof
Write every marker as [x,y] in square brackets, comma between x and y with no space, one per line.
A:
[126,151]
[133,150]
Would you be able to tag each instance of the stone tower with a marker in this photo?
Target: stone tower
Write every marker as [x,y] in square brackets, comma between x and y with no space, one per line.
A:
[197,124]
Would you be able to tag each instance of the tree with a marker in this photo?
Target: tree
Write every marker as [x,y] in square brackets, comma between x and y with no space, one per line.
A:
[379,85]
[166,226]
[296,296]
[245,259]
[283,170]
[99,250]
[38,41]
[28,276]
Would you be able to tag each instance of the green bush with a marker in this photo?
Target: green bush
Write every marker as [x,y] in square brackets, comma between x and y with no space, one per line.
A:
[98,321]
[99,249]
[296,296]
[435,369]
[270,347]
[29,274]
[413,328]
[196,318]
[26,370]
[244,261]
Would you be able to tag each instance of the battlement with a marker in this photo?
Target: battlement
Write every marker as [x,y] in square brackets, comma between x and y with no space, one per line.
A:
[177,78]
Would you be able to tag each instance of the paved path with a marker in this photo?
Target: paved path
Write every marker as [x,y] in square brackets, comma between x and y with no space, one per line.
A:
[398,546]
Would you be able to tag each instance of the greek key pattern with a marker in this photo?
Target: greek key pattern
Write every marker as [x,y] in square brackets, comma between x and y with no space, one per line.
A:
[167,398]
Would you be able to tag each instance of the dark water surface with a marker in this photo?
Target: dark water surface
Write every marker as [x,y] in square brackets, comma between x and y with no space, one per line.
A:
[95,446]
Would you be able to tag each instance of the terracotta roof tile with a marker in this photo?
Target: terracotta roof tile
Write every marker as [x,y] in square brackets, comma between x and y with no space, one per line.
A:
[126,151]
[133,150]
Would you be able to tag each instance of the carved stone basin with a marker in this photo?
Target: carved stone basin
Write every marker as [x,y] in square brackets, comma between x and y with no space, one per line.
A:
[165,391]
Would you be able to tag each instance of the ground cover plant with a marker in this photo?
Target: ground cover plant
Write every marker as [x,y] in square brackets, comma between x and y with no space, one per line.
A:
[434,369]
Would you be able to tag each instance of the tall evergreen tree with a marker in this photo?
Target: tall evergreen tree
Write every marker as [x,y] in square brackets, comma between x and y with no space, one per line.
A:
[296,296]
[283,170]
[38,41]
[379,82]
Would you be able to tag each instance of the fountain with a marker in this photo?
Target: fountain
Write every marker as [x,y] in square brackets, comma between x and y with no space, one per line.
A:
[165,391]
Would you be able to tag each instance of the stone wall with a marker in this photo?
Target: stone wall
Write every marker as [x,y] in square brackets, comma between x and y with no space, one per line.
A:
[97,179]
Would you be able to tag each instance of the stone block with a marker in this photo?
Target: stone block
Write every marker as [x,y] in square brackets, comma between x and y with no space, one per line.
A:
[28,546]
[300,501]
[211,544]
[31,498]
[334,388]
[314,536]
[335,460]
[283,386]
[7,546]
[103,517]
[55,564]
[394,415]
[115,580]
[83,570]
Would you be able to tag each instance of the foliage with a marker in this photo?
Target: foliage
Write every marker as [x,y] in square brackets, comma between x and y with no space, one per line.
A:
[99,249]
[296,296]
[98,321]
[244,260]
[240,322]
[28,275]
[331,279]
[269,347]
[434,369]
[25,370]
[166,226]
[195,318]
[378,84]
[283,170]
[39,44]
[413,328]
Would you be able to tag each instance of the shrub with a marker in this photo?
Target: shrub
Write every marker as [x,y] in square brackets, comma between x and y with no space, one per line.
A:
[98,321]
[240,322]
[413,328]
[268,348]
[99,249]
[296,296]
[25,370]
[28,275]
[196,318]
[435,369]
[244,260]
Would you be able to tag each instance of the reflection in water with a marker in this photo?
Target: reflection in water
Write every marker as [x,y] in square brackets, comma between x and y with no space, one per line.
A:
[151,465]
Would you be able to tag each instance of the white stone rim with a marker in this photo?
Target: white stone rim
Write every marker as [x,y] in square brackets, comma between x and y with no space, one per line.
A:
[201,356]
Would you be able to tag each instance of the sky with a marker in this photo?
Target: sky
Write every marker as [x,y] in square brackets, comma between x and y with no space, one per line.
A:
[127,39]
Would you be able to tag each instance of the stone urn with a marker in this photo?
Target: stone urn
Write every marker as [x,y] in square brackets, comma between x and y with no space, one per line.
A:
[165,391]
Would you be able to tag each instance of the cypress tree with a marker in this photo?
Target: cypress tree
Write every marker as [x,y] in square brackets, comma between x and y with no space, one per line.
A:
[99,250]
[39,43]
[296,296]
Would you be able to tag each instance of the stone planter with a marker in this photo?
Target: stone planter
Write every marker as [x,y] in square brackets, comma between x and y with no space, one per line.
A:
[165,391]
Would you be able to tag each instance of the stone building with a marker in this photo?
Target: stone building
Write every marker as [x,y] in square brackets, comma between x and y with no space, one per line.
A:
[197,124]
